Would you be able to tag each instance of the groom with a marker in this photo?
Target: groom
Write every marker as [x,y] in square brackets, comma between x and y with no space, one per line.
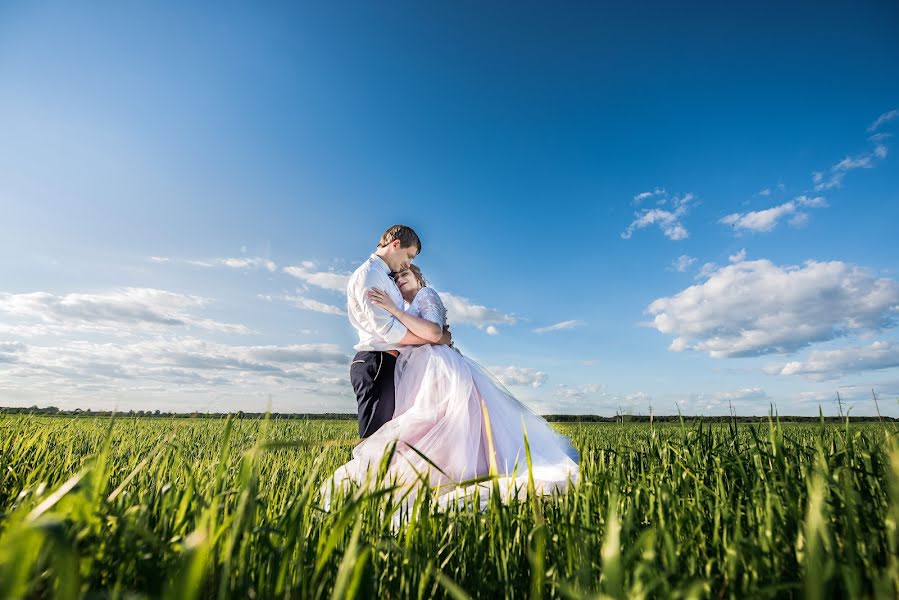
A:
[380,334]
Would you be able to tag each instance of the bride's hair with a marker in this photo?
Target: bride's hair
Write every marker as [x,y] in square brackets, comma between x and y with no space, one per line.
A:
[418,275]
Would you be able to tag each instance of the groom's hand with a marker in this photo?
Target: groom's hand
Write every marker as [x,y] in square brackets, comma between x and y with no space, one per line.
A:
[447,338]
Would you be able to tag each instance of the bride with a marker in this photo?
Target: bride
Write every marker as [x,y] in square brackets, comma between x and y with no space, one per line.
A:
[453,420]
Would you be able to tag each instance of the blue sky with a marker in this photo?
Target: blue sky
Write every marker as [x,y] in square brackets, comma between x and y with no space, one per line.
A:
[624,206]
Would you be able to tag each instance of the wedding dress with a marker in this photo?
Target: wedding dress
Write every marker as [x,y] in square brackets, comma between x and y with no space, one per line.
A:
[456,413]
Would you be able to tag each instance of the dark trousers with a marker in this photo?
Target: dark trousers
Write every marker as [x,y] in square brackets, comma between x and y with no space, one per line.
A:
[372,376]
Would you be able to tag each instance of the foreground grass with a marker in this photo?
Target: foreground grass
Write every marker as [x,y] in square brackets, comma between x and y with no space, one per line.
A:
[213,508]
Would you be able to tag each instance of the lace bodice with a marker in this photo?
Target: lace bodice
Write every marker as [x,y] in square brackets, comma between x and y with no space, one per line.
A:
[428,305]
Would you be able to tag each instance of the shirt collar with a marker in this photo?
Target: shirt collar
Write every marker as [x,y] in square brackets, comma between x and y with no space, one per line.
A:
[379,262]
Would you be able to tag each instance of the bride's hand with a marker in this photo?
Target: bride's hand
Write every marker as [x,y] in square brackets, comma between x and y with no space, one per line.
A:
[380,298]
[447,339]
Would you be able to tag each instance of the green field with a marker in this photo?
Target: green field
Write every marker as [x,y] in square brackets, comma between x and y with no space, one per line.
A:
[182,508]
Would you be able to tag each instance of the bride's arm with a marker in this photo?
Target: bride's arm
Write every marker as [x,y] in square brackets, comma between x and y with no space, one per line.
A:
[410,339]
[428,330]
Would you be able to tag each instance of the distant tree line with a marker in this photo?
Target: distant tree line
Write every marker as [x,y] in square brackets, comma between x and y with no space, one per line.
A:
[620,418]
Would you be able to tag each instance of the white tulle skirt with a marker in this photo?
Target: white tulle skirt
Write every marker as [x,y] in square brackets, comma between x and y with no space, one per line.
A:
[451,415]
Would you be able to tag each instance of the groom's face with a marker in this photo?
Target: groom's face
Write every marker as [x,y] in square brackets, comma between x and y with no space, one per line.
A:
[399,258]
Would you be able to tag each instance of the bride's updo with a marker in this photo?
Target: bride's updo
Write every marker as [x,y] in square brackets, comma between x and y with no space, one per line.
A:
[415,271]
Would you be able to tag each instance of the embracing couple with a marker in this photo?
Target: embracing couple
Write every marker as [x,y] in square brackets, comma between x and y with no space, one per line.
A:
[449,418]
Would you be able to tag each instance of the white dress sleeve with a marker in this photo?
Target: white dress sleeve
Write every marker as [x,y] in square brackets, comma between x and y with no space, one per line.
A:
[431,306]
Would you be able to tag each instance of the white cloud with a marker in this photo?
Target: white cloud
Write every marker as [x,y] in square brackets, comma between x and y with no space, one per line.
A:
[327,280]
[305,303]
[858,162]
[138,309]
[578,392]
[559,326]
[519,376]
[755,307]
[10,350]
[816,396]
[706,270]
[882,119]
[682,263]
[835,180]
[744,400]
[767,219]
[798,220]
[833,177]
[765,192]
[738,257]
[669,221]
[250,263]
[813,201]
[178,364]
[463,311]
[245,263]
[830,364]
[637,398]
[658,192]
[751,393]
[491,330]
[293,353]
[759,220]
[589,398]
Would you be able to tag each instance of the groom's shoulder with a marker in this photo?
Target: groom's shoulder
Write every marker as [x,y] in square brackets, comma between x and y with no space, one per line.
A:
[365,267]
[362,271]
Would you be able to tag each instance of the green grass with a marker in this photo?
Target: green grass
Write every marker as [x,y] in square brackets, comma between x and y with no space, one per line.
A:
[212,508]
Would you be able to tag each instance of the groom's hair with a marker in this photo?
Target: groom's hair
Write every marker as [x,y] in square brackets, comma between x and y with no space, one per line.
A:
[406,236]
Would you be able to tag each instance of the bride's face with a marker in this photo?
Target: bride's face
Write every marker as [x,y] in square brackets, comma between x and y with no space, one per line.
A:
[408,284]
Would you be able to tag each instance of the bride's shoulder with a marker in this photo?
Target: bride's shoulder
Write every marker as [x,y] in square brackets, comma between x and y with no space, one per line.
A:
[429,294]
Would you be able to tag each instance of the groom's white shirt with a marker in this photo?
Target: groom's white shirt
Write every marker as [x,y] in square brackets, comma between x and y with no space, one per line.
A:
[377,328]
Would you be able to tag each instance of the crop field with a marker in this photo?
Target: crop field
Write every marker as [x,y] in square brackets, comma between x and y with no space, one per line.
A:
[221,508]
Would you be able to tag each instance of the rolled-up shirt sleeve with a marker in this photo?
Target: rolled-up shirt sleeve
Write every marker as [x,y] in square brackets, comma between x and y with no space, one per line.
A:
[374,318]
